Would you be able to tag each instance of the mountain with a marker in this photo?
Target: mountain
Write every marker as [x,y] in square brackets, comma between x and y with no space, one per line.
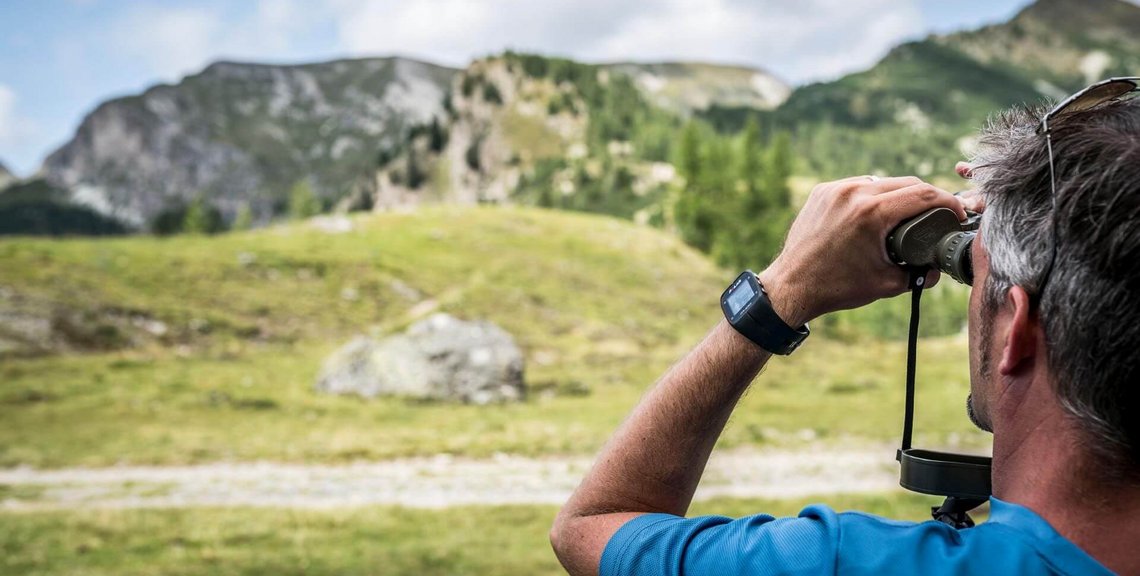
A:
[259,140]
[1049,49]
[1062,44]
[922,102]
[685,87]
[238,136]
[538,130]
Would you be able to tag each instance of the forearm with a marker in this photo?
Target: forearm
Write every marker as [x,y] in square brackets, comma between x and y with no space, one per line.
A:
[834,259]
[654,462]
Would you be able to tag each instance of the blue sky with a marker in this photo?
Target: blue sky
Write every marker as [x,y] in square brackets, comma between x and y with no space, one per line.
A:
[60,58]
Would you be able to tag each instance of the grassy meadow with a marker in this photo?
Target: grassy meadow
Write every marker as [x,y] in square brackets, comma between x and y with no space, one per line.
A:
[600,307]
[505,541]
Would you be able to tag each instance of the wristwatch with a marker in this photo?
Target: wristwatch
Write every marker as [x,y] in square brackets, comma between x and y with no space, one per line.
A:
[748,309]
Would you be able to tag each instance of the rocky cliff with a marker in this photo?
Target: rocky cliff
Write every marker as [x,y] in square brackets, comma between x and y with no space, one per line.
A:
[239,136]
[242,134]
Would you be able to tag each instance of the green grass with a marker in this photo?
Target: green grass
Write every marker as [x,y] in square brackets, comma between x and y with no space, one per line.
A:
[597,304]
[104,410]
[504,541]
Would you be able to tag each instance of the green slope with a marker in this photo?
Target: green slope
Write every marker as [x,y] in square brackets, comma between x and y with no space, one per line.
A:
[947,87]
[600,306]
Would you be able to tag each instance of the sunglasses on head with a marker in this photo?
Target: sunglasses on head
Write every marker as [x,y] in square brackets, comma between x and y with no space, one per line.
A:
[1092,96]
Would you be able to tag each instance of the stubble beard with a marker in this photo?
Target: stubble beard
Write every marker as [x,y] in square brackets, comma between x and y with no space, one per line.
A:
[985,337]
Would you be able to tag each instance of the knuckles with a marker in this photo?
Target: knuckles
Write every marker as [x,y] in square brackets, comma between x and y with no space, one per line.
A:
[928,193]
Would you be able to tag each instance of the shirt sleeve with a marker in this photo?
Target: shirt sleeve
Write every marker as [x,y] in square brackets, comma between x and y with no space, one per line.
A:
[662,544]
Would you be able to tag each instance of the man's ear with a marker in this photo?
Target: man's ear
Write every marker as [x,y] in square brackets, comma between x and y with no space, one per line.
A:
[1021,337]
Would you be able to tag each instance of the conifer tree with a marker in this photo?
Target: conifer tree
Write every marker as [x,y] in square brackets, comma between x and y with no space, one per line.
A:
[303,202]
[197,219]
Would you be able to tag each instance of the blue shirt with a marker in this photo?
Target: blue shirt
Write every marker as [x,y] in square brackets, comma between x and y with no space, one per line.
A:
[1014,540]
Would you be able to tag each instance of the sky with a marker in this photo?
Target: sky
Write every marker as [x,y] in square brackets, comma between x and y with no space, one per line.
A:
[61,58]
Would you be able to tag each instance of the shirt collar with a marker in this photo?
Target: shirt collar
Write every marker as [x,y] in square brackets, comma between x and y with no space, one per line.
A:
[1054,546]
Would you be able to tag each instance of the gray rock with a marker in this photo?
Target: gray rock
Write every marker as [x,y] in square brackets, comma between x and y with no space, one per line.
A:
[440,358]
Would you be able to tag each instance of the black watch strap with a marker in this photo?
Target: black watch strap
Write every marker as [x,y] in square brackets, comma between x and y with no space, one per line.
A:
[746,306]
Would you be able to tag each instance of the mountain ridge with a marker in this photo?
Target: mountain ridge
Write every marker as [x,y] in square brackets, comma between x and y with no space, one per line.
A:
[391,132]
[238,133]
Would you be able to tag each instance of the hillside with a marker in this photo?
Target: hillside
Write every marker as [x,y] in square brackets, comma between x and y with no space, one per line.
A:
[240,135]
[200,349]
[529,270]
[686,87]
[1061,44]
[1049,49]
[915,110]
[199,341]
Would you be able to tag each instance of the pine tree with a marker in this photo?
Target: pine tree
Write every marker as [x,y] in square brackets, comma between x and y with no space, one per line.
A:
[437,135]
[691,211]
[415,173]
[303,202]
[780,166]
[752,166]
[197,218]
[244,218]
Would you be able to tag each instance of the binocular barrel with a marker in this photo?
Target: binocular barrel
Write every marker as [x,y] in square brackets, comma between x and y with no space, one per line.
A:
[936,239]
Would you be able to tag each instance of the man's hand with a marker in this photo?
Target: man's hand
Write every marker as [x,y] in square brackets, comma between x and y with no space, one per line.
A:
[835,256]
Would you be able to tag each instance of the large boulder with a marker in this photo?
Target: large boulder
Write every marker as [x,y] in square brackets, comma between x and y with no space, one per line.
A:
[440,358]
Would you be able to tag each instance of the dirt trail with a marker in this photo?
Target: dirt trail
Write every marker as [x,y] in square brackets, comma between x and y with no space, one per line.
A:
[433,482]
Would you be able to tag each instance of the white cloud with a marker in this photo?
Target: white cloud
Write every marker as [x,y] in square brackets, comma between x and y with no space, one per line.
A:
[176,40]
[15,130]
[802,40]
[171,41]
[455,31]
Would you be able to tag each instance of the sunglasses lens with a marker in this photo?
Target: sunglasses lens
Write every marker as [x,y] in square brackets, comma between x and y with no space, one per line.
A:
[1099,95]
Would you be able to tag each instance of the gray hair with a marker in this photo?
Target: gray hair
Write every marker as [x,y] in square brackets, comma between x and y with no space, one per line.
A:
[1090,306]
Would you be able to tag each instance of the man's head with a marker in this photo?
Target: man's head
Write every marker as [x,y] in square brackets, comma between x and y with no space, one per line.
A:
[1089,310]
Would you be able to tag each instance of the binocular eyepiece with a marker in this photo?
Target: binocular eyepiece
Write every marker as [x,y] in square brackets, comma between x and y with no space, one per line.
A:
[936,239]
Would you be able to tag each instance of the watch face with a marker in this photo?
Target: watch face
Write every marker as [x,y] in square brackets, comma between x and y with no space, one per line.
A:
[740,297]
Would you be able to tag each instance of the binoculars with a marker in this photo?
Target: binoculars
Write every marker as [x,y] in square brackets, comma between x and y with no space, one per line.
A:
[936,239]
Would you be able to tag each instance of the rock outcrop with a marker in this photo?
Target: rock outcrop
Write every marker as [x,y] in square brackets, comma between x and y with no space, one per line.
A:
[440,358]
[239,136]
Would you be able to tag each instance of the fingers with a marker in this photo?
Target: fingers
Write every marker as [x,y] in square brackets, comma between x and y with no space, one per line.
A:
[898,205]
[884,185]
[877,184]
[972,200]
[932,277]
[964,169]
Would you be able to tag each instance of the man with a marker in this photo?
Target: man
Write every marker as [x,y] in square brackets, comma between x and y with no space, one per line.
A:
[1054,328]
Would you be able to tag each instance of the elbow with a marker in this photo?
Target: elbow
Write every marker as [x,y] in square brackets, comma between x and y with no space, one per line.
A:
[561,541]
[557,530]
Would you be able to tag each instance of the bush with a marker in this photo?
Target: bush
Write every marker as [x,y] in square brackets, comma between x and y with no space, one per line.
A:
[303,202]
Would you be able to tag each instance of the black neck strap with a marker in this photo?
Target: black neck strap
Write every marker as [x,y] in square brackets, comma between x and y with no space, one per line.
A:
[964,480]
[916,284]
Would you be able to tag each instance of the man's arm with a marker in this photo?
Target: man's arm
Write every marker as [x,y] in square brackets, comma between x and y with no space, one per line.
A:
[835,258]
